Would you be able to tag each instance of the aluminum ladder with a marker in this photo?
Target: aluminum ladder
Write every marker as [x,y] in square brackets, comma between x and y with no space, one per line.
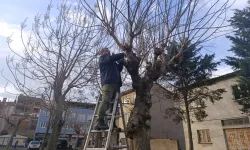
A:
[107,133]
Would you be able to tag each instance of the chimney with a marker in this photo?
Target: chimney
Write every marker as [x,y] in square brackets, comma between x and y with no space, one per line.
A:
[4,100]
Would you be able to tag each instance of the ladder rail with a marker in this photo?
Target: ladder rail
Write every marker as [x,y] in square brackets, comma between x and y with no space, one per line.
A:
[112,120]
[123,121]
[110,130]
[91,124]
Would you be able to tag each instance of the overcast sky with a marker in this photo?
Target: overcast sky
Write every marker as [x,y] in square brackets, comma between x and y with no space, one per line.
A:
[13,12]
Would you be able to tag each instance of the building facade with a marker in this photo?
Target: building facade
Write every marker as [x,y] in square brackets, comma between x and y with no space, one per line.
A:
[161,127]
[225,127]
[75,119]
[25,105]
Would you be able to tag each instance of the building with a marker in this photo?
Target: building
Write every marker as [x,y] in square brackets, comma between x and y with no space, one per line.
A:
[225,127]
[6,109]
[25,105]
[4,139]
[75,118]
[161,127]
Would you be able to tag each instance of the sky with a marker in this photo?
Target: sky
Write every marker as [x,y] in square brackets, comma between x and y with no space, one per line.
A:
[13,12]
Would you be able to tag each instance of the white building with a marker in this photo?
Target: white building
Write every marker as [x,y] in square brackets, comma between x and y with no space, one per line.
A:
[225,127]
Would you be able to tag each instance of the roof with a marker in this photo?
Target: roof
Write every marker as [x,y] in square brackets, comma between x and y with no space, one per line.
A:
[217,79]
[132,90]
[28,98]
[206,82]
[80,105]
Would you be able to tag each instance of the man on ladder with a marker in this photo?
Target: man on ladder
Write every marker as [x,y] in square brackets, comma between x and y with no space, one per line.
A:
[110,69]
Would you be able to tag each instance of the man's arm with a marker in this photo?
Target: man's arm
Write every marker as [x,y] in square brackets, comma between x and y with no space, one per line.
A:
[120,64]
[110,58]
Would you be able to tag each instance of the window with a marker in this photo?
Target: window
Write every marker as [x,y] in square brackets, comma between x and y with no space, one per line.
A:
[34,115]
[36,110]
[46,113]
[126,99]
[204,136]
[44,124]
[66,126]
[239,121]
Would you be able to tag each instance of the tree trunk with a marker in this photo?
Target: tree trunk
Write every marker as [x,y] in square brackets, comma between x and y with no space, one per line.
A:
[12,135]
[76,141]
[46,133]
[131,144]
[139,121]
[57,125]
[83,142]
[190,136]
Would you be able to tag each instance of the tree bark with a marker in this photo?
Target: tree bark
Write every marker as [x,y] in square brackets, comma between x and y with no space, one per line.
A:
[189,128]
[139,121]
[83,142]
[76,141]
[12,135]
[46,133]
[57,125]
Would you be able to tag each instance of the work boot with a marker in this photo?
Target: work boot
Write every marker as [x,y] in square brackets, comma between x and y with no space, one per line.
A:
[101,125]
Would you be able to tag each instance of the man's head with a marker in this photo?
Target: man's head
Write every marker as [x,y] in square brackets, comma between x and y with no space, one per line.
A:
[105,51]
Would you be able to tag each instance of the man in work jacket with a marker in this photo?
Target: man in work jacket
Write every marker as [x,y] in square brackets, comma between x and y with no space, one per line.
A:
[110,69]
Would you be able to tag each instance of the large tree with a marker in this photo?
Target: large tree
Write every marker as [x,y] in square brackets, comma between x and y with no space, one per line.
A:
[187,78]
[145,28]
[241,59]
[56,59]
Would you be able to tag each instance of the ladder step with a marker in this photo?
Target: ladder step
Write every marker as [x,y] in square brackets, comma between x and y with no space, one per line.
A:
[110,118]
[118,116]
[112,102]
[119,147]
[99,131]
[105,115]
[118,130]
[109,115]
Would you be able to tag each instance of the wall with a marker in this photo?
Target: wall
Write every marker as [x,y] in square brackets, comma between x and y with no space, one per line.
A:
[163,144]
[21,140]
[224,109]
[43,118]
[127,107]
[161,128]
[23,129]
